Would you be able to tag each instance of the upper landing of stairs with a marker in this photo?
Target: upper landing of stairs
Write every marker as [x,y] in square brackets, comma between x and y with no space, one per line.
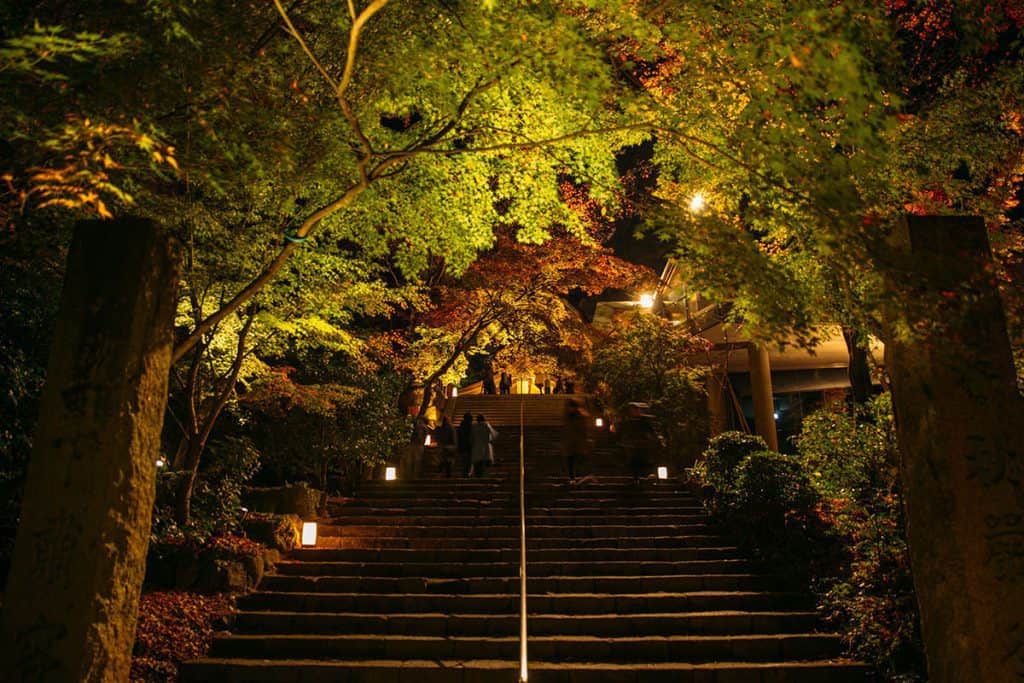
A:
[538,410]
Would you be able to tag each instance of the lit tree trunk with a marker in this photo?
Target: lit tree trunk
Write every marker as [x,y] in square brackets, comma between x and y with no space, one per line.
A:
[958,418]
[200,434]
[858,369]
[79,559]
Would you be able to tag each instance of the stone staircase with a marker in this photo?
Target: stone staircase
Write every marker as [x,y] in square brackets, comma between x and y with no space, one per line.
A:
[418,581]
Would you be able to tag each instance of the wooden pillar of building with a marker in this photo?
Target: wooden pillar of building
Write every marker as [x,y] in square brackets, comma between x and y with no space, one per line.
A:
[761,391]
[80,555]
[959,419]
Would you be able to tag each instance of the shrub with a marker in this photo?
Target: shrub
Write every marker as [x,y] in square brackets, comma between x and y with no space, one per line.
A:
[851,456]
[229,463]
[872,600]
[869,594]
[682,413]
[717,466]
[773,504]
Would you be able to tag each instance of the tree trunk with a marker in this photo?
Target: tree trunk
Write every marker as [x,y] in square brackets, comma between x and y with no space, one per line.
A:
[858,369]
[958,419]
[80,554]
[197,441]
[190,470]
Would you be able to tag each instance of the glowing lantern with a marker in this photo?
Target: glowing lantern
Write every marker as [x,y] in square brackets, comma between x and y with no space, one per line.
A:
[308,533]
[662,473]
[426,442]
[599,422]
[390,473]
[455,392]
[160,462]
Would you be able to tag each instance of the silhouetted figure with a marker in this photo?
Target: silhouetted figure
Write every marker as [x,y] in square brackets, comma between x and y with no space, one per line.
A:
[577,445]
[419,430]
[506,383]
[464,438]
[483,452]
[489,381]
[447,440]
[559,387]
[638,439]
[570,386]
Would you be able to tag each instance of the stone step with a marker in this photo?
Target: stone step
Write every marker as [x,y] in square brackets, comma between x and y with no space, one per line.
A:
[460,519]
[621,495]
[688,541]
[406,555]
[605,483]
[533,511]
[687,648]
[511,568]
[510,584]
[478,671]
[509,531]
[603,625]
[508,603]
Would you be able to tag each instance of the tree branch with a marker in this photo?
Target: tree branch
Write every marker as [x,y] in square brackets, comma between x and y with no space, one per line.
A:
[271,270]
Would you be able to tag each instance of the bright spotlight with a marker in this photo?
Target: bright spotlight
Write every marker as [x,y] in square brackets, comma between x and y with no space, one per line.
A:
[697,202]
[646,300]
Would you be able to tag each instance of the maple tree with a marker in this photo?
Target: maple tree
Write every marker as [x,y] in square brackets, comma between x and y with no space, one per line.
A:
[816,152]
[512,298]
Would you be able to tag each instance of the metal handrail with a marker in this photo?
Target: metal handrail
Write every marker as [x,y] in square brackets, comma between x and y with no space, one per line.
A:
[523,666]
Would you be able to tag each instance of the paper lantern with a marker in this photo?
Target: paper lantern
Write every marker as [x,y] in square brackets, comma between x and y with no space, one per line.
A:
[309,533]
[662,473]
[390,473]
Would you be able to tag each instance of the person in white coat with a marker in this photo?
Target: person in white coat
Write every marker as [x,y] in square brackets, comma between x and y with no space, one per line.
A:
[483,452]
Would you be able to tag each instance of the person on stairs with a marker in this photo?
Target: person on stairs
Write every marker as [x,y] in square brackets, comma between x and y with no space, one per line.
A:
[639,439]
[483,452]
[577,445]
[444,435]
[464,439]
[489,380]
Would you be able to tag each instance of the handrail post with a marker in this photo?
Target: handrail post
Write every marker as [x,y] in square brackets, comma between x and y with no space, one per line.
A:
[523,667]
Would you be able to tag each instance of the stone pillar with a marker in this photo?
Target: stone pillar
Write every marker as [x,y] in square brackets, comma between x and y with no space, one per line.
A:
[761,390]
[79,558]
[718,414]
[959,418]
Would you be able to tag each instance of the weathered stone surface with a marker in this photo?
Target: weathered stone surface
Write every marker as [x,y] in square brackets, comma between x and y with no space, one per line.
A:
[959,418]
[280,532]
[293,499]
[79,558]
[208,571]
